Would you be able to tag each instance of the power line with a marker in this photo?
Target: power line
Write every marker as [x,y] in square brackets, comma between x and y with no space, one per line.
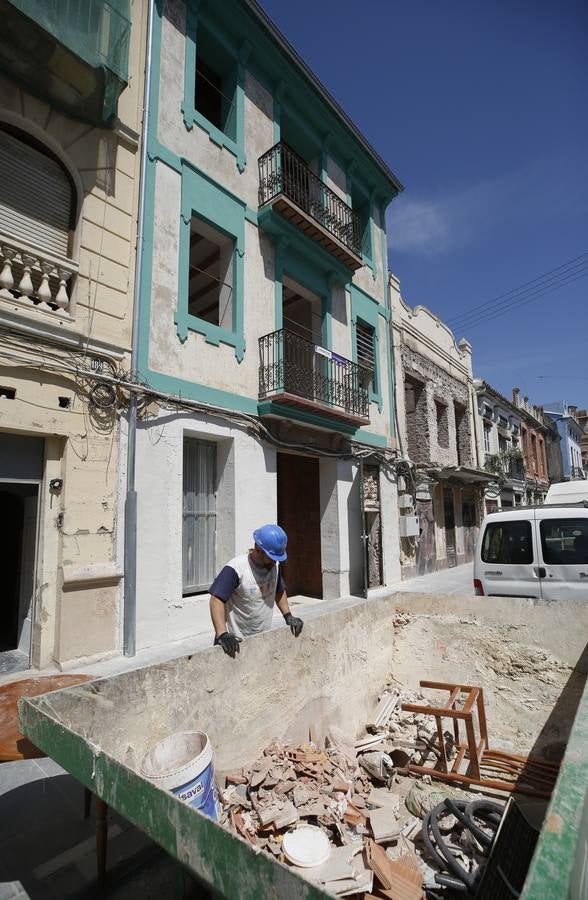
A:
[569,267]
[524,299]
[579,269]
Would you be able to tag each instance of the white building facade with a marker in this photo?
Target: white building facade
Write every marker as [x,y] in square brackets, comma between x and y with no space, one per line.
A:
[264,330]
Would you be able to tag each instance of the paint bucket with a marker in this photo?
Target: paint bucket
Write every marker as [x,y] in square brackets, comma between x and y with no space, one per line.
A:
[182,764]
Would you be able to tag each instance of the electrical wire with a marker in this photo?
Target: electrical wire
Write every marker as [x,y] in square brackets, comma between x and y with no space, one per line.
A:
[570,267]
[473,319]
[85,377]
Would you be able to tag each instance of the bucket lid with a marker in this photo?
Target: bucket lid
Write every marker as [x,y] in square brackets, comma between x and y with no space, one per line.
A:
[306,846]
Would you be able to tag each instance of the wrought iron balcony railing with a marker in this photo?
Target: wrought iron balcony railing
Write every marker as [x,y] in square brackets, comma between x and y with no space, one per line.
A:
[282,171]
[291,366]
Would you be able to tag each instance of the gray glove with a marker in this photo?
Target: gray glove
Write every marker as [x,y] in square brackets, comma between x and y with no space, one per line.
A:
[229,642]
[294,623]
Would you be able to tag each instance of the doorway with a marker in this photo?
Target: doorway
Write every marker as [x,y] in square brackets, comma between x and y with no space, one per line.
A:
[21,473]
[18,539]
[299,516]
[449,513]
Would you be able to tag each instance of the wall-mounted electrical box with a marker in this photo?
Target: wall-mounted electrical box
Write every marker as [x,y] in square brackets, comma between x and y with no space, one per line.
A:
[405,501]
[409,526]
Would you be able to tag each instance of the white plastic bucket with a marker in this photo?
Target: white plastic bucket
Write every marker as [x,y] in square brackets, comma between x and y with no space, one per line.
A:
[182,763]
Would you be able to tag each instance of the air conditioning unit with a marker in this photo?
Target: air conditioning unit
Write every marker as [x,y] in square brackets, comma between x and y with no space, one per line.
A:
[409,526]
[405,501]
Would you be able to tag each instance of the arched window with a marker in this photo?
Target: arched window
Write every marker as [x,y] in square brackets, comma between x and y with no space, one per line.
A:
[37,219]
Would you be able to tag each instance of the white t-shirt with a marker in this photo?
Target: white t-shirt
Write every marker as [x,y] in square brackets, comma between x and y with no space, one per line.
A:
[249,593]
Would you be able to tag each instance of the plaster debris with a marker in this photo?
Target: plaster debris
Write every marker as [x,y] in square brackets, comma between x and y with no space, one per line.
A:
[365,798]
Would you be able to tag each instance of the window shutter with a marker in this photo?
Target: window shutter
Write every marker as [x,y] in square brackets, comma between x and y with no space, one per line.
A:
[35,197]
[199,516]
[365,345]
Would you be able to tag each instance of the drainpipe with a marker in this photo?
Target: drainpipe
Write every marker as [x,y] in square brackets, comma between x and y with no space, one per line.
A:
[130,555]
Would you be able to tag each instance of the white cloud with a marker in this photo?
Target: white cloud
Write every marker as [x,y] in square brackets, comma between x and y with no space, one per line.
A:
[420,226]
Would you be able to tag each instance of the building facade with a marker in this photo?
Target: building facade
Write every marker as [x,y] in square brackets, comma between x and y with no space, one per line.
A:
[70,114]
[443,484]
[512,447]
[571,432]
[264,326]
[582,417]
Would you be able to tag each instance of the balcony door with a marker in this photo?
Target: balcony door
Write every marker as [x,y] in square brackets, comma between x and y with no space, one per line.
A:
[304,368]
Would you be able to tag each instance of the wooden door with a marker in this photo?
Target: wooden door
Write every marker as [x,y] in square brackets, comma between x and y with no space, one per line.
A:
[299,516]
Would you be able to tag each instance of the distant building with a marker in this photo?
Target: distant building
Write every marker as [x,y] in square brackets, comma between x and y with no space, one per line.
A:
[512,447]
[571,432]
[443,484]
[582,417]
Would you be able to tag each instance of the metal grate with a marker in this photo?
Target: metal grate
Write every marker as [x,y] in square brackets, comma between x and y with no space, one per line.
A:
[198,515]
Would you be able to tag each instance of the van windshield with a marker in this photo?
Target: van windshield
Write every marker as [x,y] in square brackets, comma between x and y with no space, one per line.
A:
[508,543]
[564,542]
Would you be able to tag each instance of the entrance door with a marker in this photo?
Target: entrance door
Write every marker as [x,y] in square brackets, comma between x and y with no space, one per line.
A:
[18,538]
[299,516]
[449,513]
[21,472]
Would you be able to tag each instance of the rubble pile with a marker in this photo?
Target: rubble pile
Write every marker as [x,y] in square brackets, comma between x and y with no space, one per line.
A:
[360,795]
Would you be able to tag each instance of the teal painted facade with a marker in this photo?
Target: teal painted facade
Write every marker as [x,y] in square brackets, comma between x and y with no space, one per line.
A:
[230,206]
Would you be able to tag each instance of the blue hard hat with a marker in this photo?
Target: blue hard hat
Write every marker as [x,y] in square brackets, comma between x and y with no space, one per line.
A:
[272,540]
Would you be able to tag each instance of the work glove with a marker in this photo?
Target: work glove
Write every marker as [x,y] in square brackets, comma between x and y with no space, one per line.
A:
[294,623]
[229,642]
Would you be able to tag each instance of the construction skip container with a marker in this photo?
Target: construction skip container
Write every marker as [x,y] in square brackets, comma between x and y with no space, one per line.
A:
[530,657]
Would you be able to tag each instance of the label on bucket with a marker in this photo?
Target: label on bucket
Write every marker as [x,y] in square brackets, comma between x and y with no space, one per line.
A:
[200,792]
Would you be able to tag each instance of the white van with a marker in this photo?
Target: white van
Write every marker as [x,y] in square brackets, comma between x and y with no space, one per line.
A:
[539,551]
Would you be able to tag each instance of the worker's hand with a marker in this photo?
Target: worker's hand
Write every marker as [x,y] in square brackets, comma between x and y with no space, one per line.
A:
[229,642]
[294,623]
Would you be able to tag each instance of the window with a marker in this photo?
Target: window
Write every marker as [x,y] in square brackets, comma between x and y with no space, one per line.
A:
[502,444]
[198,515]
[468,513]
[503,421]
[508,543]
[564,542]
[210,284]
[416,416]
[487,432]
[215,83]
[442,424]
[366,355]
[37,216]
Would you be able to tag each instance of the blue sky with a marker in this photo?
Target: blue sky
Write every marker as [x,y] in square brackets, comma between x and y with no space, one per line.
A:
[480,108]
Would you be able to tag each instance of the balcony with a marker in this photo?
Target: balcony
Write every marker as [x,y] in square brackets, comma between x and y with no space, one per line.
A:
[72,54]
[577,473]
[505,466]
[295,372]
[32,279]
[290,187]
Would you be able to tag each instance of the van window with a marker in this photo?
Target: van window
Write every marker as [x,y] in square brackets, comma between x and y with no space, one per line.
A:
[564,542]
[508,543]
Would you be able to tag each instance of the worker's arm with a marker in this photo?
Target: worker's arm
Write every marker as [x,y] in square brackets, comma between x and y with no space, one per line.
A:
[229,642]
[217,614]
[284,607]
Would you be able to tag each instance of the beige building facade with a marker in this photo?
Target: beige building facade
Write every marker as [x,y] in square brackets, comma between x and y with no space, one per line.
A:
[441,488]
[69,183]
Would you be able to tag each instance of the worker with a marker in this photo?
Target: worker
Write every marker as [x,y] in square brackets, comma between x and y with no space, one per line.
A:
[243,594]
